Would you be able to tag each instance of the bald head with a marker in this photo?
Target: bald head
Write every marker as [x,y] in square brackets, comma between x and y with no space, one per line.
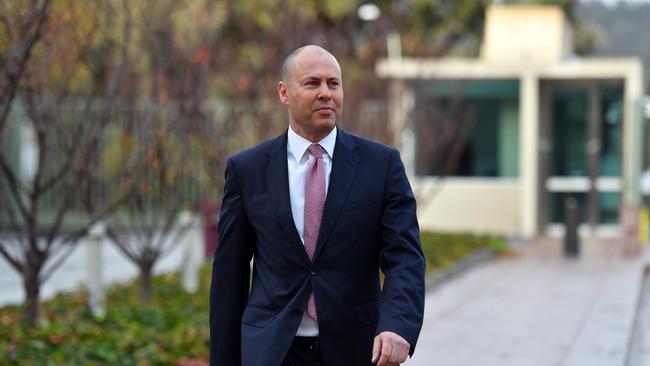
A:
[288,63]
[312,90]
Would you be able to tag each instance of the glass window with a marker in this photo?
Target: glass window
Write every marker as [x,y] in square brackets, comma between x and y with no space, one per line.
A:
[569,132]
[610,139]
[609,203]
[467,129]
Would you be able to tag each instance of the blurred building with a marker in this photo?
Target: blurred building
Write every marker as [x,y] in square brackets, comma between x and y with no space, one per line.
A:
[496,144]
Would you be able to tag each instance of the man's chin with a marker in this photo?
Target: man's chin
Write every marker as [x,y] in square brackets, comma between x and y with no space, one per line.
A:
[327,123]
[327,127]
[324,128]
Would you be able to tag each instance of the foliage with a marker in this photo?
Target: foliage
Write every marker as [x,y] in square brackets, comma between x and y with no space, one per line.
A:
[171,330]
[585,40]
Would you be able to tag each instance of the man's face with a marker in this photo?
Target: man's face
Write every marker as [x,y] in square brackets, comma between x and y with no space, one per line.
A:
[313,94]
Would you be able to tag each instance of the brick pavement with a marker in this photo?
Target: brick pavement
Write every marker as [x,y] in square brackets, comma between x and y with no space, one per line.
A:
[535,308]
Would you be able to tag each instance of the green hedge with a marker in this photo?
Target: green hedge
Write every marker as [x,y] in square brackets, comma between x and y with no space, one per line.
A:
[442,250]
[172,330]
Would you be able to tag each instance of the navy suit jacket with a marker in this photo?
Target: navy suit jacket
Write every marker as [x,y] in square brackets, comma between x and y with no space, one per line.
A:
[369,223]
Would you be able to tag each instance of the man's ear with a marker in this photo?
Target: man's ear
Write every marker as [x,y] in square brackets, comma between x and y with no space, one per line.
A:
[282,92]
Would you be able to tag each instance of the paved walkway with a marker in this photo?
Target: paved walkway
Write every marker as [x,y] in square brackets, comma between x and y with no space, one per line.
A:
[535,308]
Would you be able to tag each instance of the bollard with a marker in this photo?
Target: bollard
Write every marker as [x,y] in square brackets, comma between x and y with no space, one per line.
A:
[94,268]
[192,251]
[571,222]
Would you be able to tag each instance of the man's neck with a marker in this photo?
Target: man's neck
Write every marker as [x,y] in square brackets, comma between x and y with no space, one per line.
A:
[314,137]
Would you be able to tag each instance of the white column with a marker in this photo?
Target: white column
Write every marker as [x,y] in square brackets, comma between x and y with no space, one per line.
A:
[529,162]
[394,45]
[94,270]
[632,149]
[632,158]
[192,250]
[28,153]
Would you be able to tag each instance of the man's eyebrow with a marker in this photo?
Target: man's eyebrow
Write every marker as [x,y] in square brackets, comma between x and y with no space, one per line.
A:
[313,77]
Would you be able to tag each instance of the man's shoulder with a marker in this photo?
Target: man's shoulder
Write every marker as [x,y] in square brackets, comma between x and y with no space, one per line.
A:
[254,153]
[366,144]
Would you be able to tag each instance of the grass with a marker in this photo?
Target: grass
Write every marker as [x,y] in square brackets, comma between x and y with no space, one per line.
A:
[443,249]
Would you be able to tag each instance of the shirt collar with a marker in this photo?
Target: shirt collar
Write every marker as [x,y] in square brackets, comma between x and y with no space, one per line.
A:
[298,145]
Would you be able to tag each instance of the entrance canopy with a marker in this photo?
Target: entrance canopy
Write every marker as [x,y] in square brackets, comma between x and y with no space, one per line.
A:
[574,126]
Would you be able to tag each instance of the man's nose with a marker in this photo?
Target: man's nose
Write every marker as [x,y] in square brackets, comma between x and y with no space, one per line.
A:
[324,92]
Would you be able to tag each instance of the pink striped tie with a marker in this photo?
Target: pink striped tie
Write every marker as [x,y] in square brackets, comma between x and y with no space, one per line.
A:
[314,203]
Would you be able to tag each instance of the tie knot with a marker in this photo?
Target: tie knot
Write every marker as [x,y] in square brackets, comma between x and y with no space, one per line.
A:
[316,151]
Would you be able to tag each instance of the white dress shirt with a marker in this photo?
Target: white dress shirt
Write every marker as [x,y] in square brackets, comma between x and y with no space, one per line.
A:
[299,161]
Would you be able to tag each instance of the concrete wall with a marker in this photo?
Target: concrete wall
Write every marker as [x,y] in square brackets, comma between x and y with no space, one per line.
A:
[477,205]
[525,33]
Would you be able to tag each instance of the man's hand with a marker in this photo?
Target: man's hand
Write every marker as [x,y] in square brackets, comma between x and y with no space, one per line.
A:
[389,349]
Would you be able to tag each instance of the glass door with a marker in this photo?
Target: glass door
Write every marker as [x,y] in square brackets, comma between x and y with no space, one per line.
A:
[584,125]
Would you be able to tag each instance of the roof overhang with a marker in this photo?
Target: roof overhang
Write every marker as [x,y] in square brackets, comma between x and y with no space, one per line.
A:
[574,68]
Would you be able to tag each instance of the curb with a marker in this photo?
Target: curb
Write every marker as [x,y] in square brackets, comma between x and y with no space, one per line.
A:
[439,277]
[635,350]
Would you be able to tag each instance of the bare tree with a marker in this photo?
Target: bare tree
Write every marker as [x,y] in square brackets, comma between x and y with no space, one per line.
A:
[42,211]
[177,140]
[145,228]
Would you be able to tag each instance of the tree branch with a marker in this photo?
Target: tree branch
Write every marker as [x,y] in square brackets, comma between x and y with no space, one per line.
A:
[56,262]
[14,76]
[18,266]
[14,187]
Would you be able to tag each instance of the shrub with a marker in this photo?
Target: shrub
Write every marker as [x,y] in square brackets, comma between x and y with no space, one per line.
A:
[171,330]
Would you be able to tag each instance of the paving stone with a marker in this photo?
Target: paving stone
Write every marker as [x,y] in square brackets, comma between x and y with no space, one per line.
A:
[535,307]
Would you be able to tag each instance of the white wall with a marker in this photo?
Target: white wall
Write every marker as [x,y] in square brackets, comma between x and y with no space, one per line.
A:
[476,205]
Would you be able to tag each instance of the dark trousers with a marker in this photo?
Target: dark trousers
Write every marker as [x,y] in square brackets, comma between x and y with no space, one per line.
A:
[304,351]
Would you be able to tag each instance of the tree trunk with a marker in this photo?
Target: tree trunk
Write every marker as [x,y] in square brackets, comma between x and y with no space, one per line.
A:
[145,283]
[31,286]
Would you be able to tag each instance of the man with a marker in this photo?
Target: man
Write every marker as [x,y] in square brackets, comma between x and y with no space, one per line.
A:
[321,212]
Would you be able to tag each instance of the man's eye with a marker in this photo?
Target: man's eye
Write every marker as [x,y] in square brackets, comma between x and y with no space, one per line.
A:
[334,84]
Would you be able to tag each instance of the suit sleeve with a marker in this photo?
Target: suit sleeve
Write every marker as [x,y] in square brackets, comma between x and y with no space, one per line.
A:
[230,275]
[402,261]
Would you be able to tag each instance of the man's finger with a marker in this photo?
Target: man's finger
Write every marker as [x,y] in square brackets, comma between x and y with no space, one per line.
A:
[399,355]
[393,356]
[376,348]
[386,350]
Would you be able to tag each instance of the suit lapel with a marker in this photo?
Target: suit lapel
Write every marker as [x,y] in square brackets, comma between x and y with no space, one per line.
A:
[277,184]
[344,166]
